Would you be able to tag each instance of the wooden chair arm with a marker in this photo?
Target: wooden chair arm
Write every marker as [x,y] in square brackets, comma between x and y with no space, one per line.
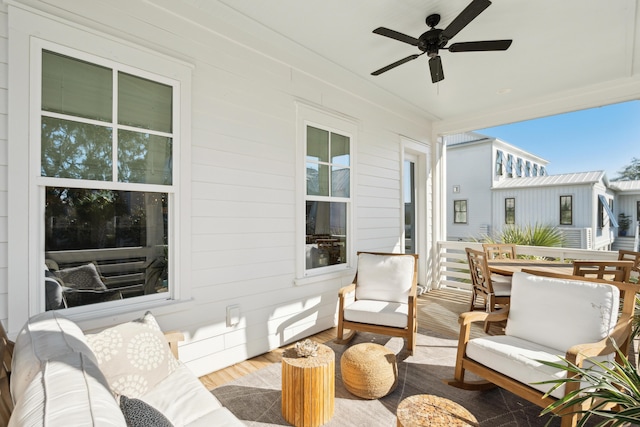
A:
[481,316]
[346,290]
[173,338]
[621,332]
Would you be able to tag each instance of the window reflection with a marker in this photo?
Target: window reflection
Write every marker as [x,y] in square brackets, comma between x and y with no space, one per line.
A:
[104,245]
[326,234]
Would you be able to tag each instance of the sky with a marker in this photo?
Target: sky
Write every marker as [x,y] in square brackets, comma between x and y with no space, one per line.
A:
[604,138]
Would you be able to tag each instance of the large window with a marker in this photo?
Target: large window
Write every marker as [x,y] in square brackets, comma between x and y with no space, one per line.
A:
[510,210]
[566,210]
[459,211]
[328,197]
[106,167]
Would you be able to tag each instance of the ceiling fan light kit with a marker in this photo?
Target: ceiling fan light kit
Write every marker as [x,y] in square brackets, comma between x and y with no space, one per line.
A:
[435,39]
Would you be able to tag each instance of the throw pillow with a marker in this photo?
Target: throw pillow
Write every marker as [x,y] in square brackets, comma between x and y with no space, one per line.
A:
[140,414]
[133,356]
[82,277]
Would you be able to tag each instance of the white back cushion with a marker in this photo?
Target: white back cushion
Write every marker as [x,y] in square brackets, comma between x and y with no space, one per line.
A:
[560,313]
[68,390]
[384,277]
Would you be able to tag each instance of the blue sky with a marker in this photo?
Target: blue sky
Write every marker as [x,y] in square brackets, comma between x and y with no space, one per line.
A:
[603,138]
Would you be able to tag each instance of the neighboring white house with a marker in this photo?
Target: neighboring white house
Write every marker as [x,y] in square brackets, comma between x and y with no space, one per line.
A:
[486,193]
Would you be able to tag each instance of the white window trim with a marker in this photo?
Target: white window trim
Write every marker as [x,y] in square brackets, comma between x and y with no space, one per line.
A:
[307,115]
[25,275]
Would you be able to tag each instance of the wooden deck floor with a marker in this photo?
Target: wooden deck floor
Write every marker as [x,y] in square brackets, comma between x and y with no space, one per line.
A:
[438,311]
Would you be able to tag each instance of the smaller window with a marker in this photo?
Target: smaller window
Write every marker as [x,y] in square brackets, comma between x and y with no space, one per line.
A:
[459,211]
[543,171]
[527,168]
[510,210]
[535,169]
[566,210]
[499,163]
[519,167]
[510,165]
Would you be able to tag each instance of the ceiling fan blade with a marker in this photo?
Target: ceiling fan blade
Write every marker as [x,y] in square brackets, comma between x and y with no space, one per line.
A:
[435,66]
[396,35]
[480,46]
[395,64]
[475,8]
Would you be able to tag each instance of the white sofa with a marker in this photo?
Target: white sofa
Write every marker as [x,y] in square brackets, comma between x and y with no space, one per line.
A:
[62,377]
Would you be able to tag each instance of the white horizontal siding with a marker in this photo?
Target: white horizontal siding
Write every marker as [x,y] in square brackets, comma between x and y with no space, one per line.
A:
[3,165]
[244,178]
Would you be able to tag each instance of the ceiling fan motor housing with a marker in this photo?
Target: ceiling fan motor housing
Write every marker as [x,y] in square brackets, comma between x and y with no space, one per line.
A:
[431,42]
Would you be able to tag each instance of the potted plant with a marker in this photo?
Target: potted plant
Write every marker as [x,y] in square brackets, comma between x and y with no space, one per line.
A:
[624,221]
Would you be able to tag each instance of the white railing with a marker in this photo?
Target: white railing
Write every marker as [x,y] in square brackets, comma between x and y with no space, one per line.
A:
[453,270]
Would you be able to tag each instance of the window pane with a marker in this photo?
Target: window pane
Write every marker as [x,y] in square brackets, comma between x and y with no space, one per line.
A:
[340,149]
[566,210]
[143,103]
[326,234]
[317,145]
[340,182]
[144,158]
[123,233]
[317,179]
[75,150]
[77,88]
[460,211]
[510,210]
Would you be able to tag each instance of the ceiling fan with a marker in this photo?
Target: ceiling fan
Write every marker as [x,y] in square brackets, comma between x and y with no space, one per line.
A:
[435,39]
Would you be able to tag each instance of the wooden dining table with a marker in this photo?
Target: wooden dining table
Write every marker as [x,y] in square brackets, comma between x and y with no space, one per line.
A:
[507,267]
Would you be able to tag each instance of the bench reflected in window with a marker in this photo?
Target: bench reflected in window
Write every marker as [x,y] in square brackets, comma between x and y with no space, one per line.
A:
[104,245]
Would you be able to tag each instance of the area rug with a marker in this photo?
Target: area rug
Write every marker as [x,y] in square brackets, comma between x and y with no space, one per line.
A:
[256,398]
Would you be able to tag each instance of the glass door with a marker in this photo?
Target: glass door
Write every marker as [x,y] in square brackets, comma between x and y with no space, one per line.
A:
[410,206]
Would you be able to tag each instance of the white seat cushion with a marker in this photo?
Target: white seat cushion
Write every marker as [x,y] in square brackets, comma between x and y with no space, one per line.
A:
[564,312]
[384,277]
[374,312]
[184,400]
[518,359]
[502,286]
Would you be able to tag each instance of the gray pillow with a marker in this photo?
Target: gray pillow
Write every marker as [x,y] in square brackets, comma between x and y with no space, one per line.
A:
[82,277]
[140,414]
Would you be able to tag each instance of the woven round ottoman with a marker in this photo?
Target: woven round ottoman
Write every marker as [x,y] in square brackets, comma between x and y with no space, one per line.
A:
[369,370]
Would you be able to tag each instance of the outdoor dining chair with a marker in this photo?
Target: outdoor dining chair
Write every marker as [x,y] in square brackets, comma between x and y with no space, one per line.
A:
[492,292]
[631,256]
[618,271]
[499,250]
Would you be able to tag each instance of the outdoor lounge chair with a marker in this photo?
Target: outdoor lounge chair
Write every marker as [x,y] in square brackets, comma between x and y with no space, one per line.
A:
[382,298]
[548,317]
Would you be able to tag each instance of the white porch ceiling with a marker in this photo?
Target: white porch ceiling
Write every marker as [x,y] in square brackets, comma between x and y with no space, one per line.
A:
[560,49]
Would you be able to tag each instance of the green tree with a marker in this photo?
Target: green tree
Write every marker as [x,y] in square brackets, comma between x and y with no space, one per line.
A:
[631,172]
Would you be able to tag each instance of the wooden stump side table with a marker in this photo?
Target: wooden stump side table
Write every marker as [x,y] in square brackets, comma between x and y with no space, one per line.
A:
[308,387]
[429,410]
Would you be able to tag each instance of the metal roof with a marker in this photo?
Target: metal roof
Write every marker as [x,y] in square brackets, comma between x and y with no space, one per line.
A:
[626,185]
[552,180]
